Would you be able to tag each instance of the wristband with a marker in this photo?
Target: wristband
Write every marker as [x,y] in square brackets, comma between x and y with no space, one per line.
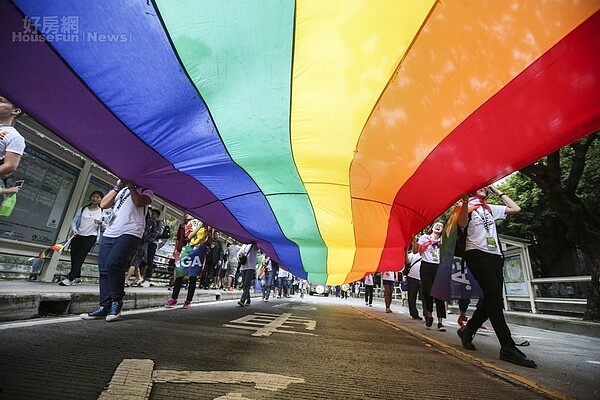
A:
[117,189]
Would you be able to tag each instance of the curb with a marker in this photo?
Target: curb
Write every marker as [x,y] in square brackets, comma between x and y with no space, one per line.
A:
[22,306]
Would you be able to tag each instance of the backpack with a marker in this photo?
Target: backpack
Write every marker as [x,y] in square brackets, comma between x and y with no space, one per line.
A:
[461,239]
[404,285]
[148,227]
[166,233]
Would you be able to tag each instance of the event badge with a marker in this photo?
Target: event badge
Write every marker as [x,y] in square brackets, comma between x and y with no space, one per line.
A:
[491,242]
[435,256]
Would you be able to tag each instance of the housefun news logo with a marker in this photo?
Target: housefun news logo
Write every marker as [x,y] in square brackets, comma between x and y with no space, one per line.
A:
[66,28]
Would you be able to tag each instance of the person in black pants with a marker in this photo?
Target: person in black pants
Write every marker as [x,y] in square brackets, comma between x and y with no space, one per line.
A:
[86,227]
[429,249]
[369,285]
[413,262]
[155,229]
[484,257]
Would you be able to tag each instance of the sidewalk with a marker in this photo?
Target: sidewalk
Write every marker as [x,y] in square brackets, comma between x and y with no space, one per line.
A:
[21,299]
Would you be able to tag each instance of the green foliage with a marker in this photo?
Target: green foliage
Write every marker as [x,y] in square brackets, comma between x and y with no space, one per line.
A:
[552,253]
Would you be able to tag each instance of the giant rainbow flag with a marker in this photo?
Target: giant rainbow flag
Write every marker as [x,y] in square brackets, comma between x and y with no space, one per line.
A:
[329,131]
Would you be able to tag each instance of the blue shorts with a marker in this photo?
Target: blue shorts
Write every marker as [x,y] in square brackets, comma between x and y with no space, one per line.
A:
[388,283]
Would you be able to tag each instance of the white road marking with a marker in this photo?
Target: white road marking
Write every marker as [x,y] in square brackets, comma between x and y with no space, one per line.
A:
[593,362]
[261,380]
[266,324]
[232,396]
[131,380]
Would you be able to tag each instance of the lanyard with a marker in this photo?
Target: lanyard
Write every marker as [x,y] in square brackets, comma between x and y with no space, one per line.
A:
[486,223]
[122,200]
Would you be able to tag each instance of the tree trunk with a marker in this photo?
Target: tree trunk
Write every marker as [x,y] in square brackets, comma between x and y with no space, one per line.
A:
[592,313]
[583,226]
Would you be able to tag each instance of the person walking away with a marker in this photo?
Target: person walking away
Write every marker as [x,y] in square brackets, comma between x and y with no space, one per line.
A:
[180,241]
[484,257]
[267,278]
[404,290]
[232,264]
[213,262]
[303,287]
[369,285]
[247,259]
[156,229]
[124,230]
[389,279]
[86,225]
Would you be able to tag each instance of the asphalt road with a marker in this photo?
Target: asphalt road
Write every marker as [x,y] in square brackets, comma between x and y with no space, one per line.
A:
[284,349]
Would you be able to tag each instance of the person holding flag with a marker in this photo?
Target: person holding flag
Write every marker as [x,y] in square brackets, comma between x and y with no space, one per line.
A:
[124,230]
[484,257]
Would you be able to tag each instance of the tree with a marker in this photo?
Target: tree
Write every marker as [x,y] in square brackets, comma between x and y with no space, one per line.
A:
[573,201]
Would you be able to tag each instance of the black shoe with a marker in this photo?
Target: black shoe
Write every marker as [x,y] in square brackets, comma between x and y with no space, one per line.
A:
[428,321]
[418,318]
[466,338]
[516,356]
[241,303]
[441,327]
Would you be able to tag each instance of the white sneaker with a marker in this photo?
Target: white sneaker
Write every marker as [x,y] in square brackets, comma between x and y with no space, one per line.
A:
[65,282]
[76,281]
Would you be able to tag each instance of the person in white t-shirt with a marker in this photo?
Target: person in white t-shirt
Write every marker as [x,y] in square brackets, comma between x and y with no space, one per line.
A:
[85,226]
[247,269]
[124,230]
[429,249]
[413,262]
[12,144]
[369,285]
[232,263]
[484,257]
[388,280]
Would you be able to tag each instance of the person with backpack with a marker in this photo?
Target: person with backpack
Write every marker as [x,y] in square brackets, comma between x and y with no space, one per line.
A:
[154,228]
[247,259]
[484,257]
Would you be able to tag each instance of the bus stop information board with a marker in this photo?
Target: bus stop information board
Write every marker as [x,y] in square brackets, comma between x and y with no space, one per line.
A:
[42,201]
